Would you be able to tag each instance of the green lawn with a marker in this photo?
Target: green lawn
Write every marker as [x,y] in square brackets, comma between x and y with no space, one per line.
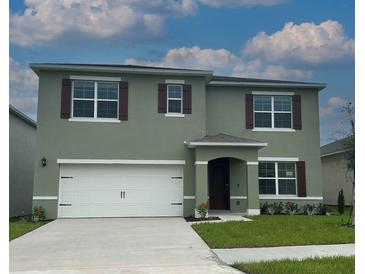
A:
[338,265]
[277,230]
[20,226]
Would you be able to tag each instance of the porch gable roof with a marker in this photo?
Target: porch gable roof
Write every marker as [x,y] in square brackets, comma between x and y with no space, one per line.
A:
[222,139]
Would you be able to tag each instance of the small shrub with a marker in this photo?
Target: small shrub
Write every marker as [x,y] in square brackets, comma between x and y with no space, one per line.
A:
[203,209]
[39,213]
[291,208]
[264,208]
[321,209]
[275,208]
[310,209]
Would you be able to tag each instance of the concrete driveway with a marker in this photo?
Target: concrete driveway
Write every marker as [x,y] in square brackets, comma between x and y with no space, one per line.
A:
[114,245]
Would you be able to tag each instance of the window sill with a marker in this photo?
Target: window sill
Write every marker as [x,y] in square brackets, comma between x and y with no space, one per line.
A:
[177,115]
[274,129]
[94,120]
[278,197]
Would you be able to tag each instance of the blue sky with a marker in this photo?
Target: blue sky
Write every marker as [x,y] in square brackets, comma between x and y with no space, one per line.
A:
[283,39]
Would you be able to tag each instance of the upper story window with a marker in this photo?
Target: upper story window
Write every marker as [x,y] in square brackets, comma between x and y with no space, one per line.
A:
[174,99]
[272,111]
[95,99]
[277,178]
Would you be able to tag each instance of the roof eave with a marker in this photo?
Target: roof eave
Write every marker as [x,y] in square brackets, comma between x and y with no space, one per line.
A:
[318,86]
[36,67]
[22,116]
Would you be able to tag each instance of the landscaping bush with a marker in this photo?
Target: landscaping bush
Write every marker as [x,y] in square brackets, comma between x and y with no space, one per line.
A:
[290,208]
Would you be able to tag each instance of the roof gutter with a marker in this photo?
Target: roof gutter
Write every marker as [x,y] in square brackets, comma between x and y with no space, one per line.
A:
[318,86]
[36,67]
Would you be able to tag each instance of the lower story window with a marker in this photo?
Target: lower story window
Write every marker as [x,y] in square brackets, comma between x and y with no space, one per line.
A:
[277,178]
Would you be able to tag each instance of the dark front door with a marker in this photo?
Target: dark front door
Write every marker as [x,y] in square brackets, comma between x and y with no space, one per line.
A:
[218,177]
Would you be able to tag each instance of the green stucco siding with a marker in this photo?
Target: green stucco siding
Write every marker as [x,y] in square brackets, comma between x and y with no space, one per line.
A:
[226,113]
[147,135]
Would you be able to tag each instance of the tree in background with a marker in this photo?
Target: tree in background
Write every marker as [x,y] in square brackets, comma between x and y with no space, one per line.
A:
[349,146]
[341,204]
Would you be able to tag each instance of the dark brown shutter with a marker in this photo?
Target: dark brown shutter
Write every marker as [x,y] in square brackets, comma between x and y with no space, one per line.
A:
[302,189]
[123,101]
[162,98]
[66,99]
[249,111]
[297,112]
[187,99]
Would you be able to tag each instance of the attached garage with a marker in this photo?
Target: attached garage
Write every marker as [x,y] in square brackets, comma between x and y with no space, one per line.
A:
[120,190]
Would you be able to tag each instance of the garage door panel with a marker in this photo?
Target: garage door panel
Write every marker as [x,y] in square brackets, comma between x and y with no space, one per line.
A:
[120,190]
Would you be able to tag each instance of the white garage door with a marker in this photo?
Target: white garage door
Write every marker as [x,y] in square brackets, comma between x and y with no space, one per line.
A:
[92,190]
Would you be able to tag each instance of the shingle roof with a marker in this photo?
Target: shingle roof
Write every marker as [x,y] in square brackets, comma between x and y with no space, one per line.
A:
[224,139]
[22,116]
[334,147]
[243,79]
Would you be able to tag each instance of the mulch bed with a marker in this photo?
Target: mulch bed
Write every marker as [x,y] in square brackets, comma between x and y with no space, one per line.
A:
[193,219]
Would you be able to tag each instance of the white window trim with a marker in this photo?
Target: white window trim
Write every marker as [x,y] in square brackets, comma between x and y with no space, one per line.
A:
[175,114]
[272,112]
[278,159]
[175,99]
[273,93]
[95,78]
[95,100]
[277,178]
[173,81]
[286,197]
[93,120]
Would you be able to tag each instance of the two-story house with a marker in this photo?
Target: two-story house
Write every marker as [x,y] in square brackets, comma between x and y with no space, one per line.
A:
[123,140]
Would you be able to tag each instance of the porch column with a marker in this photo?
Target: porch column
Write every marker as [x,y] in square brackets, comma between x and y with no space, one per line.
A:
[201,182]
[253,202]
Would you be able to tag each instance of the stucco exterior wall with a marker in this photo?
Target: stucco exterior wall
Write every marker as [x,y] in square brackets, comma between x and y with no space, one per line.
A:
[226,113]
[147,134]
[22,141]
[335,177]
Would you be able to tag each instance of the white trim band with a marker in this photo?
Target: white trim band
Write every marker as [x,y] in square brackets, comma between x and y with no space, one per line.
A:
[289,93]
[238,197]
[283,197]
[201,162]
[45,197]
[279,159]
[189,197]
[119,161]
[95,78]
[224,144]
[252,163]
[173,81]
[253,212]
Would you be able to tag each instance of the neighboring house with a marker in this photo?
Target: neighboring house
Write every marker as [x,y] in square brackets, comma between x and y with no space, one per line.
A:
[335,175]
[123,140]
[22,142]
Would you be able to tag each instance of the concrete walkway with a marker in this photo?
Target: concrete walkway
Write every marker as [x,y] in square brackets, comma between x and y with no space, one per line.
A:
[233,255]
[114,245]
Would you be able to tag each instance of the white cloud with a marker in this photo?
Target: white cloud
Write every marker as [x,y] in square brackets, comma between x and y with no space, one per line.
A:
[23,87]
[336,102]
[47,21]
[240,3]
[221,61]
[306,43]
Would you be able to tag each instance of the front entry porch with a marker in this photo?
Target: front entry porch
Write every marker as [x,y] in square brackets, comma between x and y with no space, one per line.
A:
[226,173]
